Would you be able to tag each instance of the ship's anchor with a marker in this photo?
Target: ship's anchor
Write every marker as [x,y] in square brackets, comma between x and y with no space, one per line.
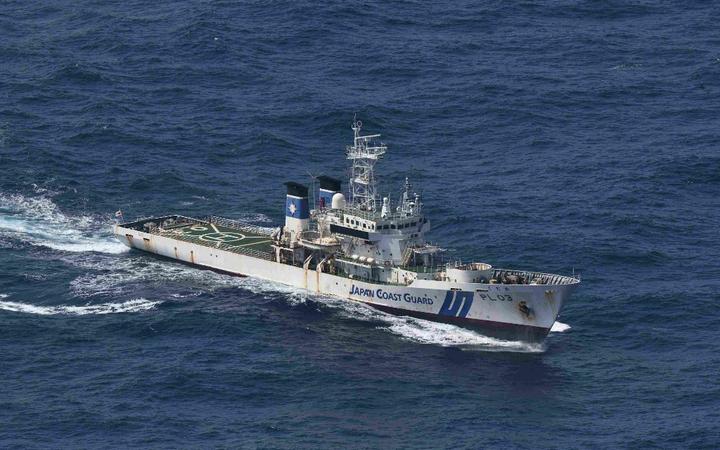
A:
[525,309]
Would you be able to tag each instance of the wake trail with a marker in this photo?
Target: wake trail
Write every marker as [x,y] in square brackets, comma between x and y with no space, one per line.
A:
[412,329]
[130,306]
[38,221]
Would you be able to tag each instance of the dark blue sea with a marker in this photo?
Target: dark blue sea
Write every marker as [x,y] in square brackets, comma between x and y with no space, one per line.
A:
[550,135]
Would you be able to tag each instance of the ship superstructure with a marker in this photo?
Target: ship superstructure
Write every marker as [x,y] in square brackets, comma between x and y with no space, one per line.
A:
[356,248]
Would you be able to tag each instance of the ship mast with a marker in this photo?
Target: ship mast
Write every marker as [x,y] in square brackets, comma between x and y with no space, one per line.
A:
[364,153]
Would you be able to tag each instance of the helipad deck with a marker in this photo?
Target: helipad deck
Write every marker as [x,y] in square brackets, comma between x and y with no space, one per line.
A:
[212,234]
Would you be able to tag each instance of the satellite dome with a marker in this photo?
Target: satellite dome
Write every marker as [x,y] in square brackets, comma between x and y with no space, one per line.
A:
[338,201]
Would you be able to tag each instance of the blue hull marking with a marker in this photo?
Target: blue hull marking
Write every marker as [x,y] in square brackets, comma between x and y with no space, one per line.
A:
[457,301]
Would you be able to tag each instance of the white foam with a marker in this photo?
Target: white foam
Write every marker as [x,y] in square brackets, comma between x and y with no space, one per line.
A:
[188,295]
[38,221]
[559,327]
[446,335]
[130,306]
[409,328]
[256,217]
[117,274]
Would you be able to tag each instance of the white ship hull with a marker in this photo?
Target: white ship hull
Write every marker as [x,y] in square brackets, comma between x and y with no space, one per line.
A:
[493,309]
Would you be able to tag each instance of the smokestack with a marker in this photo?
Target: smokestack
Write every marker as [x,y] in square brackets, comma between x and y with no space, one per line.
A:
[297,209]
[328,187]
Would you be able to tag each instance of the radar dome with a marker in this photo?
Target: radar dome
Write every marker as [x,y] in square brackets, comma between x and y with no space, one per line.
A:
[338,201]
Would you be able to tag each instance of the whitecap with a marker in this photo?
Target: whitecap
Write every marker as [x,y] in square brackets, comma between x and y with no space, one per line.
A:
[130,306]
[256,217]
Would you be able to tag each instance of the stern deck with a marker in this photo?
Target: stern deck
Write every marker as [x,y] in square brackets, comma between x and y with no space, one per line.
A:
[213,232]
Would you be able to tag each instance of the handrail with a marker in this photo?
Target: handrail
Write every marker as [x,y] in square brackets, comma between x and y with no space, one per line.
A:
[541,277]
[239,225]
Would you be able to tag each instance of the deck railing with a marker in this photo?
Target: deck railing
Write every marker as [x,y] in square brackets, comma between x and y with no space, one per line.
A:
[240,225]
[538,277]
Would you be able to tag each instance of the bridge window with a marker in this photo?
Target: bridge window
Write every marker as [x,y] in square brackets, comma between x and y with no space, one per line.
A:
[392,226]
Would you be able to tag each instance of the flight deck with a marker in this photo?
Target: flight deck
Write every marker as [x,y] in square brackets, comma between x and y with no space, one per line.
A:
[216,232]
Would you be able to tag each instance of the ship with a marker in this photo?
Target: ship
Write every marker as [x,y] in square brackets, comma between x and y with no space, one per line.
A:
[362,248]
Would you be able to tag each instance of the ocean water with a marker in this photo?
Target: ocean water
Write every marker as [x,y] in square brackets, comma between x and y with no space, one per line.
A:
[556,136]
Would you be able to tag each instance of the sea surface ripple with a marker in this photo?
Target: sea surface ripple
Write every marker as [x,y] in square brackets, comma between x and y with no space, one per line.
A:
[552,135]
